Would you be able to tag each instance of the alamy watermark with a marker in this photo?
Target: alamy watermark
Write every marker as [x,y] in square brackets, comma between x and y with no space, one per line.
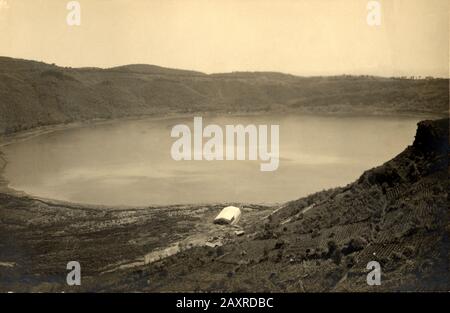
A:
[374,276]
[73,278]
[73,18]
[4,4]
[374,13]
[228,144]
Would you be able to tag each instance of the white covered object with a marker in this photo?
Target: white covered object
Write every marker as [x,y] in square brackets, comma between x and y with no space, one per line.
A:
[229,215]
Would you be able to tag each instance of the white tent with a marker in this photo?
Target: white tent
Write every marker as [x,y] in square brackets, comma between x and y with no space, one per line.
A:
[229,215]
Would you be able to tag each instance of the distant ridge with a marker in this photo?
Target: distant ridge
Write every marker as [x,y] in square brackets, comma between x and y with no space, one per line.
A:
[34,94]
[153,69]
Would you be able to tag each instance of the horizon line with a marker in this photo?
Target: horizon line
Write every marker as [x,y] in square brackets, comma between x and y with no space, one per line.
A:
[415,77]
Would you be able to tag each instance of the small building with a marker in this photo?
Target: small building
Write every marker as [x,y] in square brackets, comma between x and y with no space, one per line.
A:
[229,215]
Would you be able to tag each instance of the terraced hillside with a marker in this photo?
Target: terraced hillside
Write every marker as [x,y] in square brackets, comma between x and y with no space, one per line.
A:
[396,214]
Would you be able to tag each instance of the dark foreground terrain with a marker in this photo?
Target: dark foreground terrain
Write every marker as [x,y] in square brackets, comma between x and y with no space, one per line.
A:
[396,214]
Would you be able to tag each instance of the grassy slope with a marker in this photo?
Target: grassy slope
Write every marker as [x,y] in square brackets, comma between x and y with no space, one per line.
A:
[34,94]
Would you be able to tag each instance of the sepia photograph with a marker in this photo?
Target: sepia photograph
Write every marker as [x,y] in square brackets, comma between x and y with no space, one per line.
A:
[224,147]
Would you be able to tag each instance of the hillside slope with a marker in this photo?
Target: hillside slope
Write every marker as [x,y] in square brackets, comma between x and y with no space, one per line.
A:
[33,93]
[396,214]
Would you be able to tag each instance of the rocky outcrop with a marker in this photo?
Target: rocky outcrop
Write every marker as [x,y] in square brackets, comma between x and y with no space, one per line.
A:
[432,136]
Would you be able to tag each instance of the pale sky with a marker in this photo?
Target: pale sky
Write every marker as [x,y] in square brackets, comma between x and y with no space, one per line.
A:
[302,37]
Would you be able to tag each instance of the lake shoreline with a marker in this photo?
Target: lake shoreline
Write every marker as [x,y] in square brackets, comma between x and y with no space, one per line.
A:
[43,130]
[112,245]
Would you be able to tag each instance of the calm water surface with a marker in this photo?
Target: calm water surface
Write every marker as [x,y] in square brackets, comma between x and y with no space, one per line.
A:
[129,162]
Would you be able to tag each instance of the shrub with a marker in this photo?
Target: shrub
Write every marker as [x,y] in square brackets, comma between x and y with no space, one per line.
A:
[358,243]
[220,251]
[351,261]
[332,246]
[355,244]
[315,233]
[279,244]
[409,251]
[397,256]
